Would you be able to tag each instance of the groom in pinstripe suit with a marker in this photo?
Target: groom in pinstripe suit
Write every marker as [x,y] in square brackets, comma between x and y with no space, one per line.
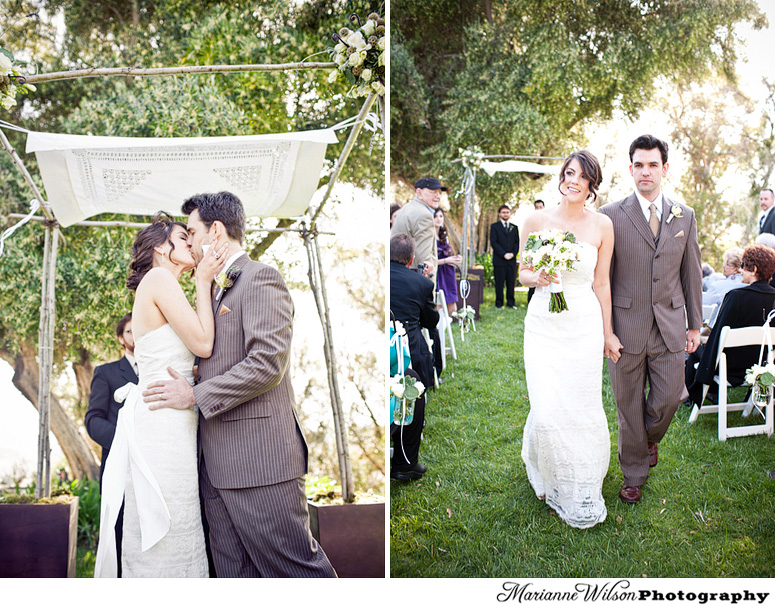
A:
[252,454]
[656,288]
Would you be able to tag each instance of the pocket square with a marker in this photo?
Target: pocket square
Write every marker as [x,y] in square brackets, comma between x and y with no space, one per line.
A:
[680,234]
[224,310]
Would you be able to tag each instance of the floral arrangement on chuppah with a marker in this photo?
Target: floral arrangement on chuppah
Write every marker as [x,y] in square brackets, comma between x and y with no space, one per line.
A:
[472,157]
[11,81]
[360,56]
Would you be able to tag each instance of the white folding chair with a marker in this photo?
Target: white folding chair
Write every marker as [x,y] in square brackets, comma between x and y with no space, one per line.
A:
[427,335]
[707,312]
[445,328]
[729,338]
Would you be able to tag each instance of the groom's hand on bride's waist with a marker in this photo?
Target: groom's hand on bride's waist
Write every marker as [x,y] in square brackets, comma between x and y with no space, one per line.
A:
[176,393]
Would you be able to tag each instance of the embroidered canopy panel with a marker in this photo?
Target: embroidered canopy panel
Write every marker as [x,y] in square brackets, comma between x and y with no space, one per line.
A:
[274,175]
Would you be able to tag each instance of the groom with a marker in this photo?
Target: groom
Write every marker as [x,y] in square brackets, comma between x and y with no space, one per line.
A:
[252,455]
[656,296]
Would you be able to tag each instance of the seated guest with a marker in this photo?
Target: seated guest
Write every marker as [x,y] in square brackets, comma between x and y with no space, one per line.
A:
[733,258]
[747,306]
[412,303]
[767,239]
[708,276]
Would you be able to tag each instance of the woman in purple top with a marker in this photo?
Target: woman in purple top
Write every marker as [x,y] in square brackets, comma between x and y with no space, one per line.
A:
[445,278]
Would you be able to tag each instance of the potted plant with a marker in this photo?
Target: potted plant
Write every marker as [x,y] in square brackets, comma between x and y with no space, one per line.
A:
[351,534]
[39,536]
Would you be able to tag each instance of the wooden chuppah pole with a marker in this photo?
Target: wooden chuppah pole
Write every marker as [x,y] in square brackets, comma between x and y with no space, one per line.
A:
[97,72]
[46,349]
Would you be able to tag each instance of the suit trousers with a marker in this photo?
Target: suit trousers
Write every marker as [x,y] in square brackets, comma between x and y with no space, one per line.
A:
[645,418]
[505,274]
[262,531]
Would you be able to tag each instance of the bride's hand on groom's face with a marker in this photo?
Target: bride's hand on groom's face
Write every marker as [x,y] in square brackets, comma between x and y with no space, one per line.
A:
[212,263]
[175,393]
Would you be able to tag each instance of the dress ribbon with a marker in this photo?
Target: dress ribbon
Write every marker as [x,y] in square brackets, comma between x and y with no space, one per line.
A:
[151,506]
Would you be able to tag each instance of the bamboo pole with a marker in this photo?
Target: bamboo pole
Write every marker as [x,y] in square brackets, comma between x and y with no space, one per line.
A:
[25,173]
[357,127]
[97,72]
[46,355]
[135,225]
[317,284]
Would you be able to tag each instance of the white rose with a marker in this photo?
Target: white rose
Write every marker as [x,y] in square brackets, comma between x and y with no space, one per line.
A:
[5,64]
[366,74]
[356,59]
[333,76]
[356,39]
[369,27]
[397,389]
[378,87]
[8,102]
[420,387]
[340,59]
[381,43]
[381,60]
[340,47]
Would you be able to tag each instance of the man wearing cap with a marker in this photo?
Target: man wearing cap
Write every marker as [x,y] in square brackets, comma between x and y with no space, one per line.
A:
[416,220]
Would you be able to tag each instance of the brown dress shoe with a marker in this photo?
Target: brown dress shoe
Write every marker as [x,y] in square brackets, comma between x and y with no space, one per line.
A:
[630,494]
[653,455]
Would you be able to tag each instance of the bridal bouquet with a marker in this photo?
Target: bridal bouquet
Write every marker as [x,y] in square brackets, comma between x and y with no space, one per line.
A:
[552,250]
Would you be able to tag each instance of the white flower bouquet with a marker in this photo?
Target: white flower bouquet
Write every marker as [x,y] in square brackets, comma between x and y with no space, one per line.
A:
[552,250]
[465,316]
[360,56]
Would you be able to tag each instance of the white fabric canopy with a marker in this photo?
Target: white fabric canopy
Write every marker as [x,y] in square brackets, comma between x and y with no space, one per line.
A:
[519,166]
[274,175]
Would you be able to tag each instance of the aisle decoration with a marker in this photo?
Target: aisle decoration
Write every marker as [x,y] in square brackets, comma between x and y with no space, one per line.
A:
[465,316]
[761,379]
[552,250]
[404,390]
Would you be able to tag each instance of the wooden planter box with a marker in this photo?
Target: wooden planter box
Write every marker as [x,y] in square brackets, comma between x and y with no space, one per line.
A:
[353,537]
[38,540]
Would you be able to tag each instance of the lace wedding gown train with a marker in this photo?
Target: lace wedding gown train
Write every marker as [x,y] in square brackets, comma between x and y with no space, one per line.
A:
[152,466]
[566,444]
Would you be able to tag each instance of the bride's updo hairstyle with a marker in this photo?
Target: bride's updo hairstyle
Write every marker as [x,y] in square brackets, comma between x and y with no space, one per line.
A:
[590,169]
[155,234]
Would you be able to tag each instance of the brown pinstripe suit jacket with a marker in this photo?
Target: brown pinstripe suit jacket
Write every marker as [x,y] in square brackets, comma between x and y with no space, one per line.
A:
[249,433]
[654,281]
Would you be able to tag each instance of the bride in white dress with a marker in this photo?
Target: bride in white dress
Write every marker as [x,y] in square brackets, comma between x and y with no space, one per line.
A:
[152,465]
[566,444]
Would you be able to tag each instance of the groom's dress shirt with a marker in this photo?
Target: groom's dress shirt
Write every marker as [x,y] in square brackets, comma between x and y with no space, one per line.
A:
[645,206]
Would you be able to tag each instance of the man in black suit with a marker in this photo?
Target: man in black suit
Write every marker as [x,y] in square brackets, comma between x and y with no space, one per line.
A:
[767,220]
[412,304]
[504,239]
[102,416]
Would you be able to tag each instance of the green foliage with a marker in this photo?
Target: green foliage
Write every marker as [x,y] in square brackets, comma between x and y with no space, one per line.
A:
[706,508]
[88,493]
[485,260]
[525,76]
[316,486]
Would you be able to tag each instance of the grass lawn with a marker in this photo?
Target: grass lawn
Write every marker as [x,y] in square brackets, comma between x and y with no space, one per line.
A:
[708,509]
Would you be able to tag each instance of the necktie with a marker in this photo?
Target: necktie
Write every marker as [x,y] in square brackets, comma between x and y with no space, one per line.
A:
[761,221]
[505,225]
[653,220]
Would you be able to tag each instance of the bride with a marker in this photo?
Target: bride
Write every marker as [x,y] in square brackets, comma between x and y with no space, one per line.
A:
[152,464]
[566,444]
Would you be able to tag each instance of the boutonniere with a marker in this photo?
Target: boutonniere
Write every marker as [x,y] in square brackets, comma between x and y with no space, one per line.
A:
[675,211]
[226,280]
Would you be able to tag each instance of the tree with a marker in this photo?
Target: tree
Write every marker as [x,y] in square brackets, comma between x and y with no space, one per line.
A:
[709,126]
[525,76]
[92,263]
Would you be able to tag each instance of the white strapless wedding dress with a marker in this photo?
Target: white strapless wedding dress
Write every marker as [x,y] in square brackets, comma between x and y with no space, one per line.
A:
[152,467]
[566,444]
